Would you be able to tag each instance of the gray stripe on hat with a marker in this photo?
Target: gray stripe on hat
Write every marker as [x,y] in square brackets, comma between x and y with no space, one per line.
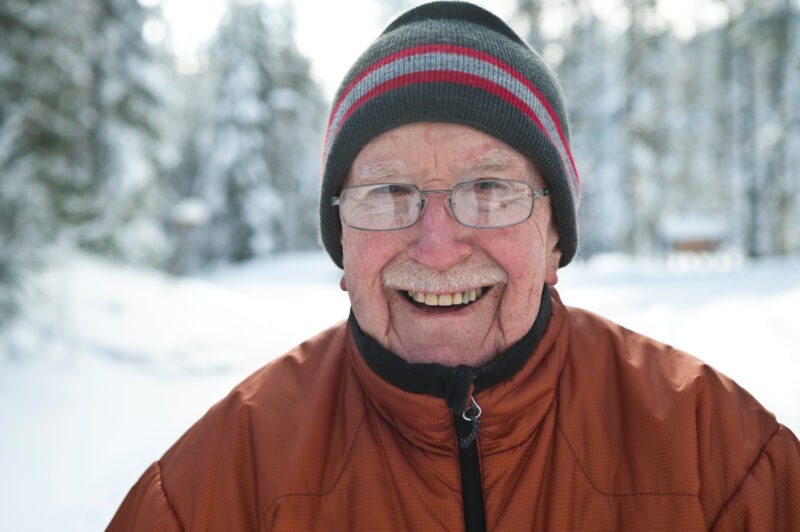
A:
[463,64]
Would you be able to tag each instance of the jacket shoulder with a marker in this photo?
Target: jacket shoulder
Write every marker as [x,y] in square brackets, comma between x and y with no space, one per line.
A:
[768,497]
[272,434]
[644,417]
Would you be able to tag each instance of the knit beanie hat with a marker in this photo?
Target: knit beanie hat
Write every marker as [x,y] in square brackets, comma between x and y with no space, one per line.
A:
[452,62]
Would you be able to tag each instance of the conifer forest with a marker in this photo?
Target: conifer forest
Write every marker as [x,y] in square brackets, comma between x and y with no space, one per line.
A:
[682,140]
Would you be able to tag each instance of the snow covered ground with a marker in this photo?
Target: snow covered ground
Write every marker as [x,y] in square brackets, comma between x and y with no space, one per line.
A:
[109,365]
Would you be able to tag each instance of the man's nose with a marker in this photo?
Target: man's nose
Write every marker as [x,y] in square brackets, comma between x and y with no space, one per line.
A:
[439,241]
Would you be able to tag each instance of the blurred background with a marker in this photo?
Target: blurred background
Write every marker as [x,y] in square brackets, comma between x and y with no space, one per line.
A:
[159,172]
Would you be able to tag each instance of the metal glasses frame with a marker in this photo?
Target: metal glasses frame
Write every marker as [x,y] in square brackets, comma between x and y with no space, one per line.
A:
[535,193]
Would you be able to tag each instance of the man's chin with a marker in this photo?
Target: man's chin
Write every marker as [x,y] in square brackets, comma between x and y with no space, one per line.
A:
[447,353]
[444,338]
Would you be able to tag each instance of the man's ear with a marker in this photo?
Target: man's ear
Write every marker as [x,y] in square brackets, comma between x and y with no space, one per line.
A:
[553,258]
[343,284]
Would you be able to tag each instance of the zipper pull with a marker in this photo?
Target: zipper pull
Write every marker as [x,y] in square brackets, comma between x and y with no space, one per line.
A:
[471,414]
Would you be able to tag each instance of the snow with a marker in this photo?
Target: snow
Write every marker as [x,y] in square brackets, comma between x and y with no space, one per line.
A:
[110,364]
[190,212]
[694,226]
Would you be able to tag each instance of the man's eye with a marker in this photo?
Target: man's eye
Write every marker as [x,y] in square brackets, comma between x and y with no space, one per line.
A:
[494,186]
[491,184]
[391,190]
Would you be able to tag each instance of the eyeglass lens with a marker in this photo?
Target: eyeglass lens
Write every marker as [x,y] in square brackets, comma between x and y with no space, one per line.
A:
[485,203]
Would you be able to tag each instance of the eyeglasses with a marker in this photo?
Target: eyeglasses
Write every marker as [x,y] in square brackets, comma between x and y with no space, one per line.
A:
[485,203]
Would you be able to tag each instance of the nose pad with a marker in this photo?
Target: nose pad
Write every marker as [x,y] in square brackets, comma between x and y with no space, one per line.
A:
[452,208]
[448,202]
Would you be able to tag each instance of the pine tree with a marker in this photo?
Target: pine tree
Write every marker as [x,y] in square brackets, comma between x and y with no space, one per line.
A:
[777,42]
[586,71]
[260,177]
[120,125]
[79,88]
[33,130]
[643,117]
[73,101]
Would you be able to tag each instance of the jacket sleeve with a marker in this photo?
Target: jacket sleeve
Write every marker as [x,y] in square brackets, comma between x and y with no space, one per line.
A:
[768,498]
[146,507]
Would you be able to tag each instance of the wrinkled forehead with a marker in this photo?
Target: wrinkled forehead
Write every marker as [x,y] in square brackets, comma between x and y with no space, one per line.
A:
[407,155]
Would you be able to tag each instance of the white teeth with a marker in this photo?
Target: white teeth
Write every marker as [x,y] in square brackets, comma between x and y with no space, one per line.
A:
[446,300]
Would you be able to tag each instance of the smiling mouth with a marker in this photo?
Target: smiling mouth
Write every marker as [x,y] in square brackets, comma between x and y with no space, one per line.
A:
[454,301]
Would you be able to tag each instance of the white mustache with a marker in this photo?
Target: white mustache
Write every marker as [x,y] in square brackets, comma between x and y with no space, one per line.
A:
[403,273]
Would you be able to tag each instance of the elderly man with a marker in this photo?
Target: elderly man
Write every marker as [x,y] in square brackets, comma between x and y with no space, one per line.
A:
[461,393]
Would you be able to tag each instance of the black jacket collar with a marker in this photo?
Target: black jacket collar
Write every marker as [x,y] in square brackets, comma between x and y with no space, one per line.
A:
[451,383]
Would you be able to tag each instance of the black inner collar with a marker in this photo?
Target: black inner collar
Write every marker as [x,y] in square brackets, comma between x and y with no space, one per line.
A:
[451,383]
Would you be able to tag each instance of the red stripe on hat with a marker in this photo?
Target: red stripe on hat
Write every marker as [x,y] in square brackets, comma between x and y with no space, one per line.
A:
[449,76]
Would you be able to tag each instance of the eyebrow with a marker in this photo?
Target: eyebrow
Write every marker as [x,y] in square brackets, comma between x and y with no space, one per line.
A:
[378,172]
[495,160]
[492,161]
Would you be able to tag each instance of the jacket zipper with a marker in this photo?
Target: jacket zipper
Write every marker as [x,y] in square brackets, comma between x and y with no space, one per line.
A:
[467,425]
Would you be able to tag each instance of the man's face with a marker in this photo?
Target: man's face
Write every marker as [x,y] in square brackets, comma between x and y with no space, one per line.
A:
[439,256]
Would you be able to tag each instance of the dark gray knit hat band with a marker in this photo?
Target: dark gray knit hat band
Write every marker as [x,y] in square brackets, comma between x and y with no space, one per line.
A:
[441,71]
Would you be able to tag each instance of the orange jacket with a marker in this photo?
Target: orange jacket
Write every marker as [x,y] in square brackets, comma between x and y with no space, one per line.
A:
[600,429]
